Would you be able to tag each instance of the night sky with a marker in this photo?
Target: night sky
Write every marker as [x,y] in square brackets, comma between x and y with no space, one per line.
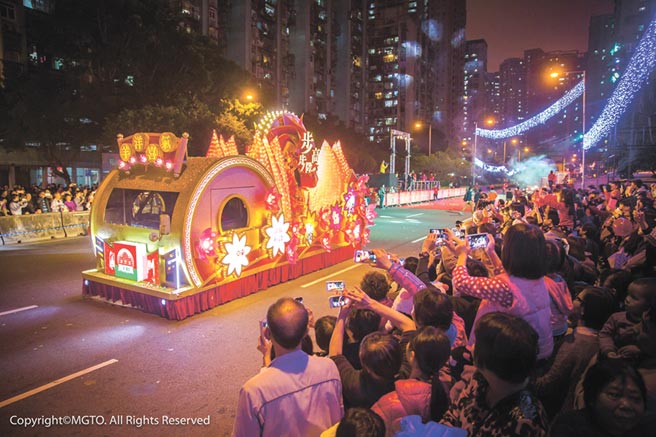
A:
[512,26]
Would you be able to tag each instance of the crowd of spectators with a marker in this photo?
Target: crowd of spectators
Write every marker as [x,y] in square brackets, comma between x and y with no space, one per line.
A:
[548,328]
[38,200]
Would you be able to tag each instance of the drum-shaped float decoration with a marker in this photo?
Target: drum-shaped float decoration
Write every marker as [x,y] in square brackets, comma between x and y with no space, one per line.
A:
[176,237]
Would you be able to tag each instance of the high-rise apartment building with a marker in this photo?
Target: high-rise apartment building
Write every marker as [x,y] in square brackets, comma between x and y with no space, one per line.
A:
[351,62]
[493,95]
[603,63]
[376,65]
[257,38]
[512,87]
[415,65]
[476,86]
[199,16]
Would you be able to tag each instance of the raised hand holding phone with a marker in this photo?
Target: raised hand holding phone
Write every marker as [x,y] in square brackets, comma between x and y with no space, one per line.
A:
[477,241]
[264,344]
[359,298]
[433,239]
[457,246]
[382,260]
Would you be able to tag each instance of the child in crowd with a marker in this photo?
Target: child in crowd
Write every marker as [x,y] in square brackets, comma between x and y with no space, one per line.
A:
[618,337]
[323,330]
[422,393]
[360,323]
[557,388]
[380,357]
[357,422]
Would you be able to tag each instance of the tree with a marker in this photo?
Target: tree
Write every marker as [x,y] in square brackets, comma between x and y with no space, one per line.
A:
[45,111]
[124,66]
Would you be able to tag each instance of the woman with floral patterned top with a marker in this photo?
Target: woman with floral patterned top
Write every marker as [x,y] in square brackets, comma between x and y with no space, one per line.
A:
[496,401]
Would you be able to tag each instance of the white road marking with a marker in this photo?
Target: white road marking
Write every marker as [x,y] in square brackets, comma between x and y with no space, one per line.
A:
[418,240]
[18,310]
[384,216]
[396,221]
[415,215]
[55,383]
[412,221]
[332,274]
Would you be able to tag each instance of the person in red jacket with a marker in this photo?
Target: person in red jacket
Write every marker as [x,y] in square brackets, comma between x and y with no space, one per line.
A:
[423,393]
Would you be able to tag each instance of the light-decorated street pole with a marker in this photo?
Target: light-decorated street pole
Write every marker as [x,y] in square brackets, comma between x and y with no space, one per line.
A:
[556,74]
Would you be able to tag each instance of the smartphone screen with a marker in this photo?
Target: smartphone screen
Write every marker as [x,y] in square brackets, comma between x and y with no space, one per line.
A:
[441,236]
[335,286]
[363,256]
[457,232]
[263,326]
[477,241]
[337,301]
[299,300]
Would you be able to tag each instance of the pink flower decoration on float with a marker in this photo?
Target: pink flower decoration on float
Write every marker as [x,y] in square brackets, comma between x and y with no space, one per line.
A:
[370,214]
[207,244]
[292,249]
[335,218]
[272,200]
[351,200]
[362,184]
[354,231]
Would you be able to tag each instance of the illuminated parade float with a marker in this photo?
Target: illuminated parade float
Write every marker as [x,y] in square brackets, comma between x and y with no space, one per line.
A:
[176,235]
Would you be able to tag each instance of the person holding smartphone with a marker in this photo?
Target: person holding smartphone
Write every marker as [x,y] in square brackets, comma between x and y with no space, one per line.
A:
[288,386]
[518,286]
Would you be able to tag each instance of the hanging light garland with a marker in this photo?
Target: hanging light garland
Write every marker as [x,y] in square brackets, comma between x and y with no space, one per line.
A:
[641,65]
[536,120]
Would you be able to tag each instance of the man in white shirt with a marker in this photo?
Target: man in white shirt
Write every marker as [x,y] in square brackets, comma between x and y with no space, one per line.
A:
[296,394]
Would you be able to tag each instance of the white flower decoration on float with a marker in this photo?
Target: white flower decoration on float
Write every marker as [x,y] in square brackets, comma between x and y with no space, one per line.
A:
[277,234]
[237,254]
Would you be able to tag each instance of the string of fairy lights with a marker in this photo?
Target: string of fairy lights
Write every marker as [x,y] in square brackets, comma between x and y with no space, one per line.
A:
[641,65]
[541,118]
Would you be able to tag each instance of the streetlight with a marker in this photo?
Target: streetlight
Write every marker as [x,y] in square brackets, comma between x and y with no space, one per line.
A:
[519,153]
[554,75]
[419,125]
[489,121]
[249,95]
[514,141]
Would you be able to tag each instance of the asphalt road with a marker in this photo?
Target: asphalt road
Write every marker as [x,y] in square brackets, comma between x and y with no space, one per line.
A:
[138,372]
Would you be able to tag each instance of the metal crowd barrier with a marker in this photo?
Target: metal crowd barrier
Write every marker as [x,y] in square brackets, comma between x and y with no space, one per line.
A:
[36,227]
[416,196]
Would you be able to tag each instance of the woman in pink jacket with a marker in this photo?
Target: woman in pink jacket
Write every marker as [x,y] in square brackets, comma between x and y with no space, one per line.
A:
[422,393]
[518,287]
